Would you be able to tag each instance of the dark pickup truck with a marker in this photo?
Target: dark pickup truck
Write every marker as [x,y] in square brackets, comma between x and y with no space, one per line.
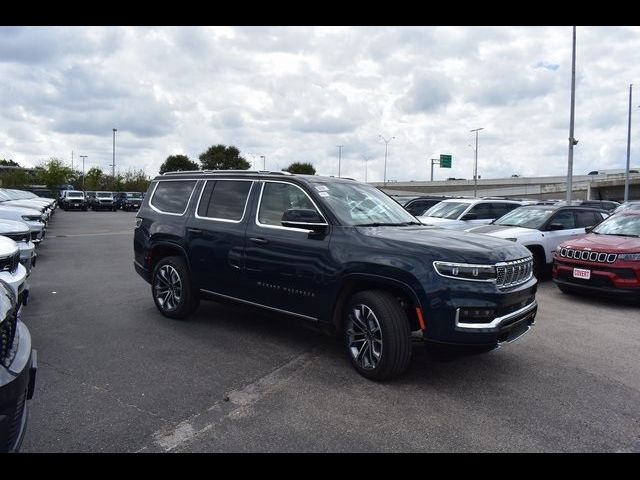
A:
[335,252]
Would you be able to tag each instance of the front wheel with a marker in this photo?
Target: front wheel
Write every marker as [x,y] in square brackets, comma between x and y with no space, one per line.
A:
[377,335]
[172,290]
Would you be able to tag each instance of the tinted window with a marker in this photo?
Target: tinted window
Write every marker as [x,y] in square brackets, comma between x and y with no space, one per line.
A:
[565,219]
[482,210]
[500,209]
[224,199]
[278,197]
[586,219]
[417,207]
[172,197]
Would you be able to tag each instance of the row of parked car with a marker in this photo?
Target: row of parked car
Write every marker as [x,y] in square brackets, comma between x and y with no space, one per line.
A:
[592,245]
[24,217]
[99,200]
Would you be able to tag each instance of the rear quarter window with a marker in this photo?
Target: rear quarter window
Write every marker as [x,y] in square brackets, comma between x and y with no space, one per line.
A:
[172,196]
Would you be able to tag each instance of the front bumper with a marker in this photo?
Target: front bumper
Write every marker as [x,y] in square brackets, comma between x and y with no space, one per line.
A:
[27,255]
[512,313]
[37,231]
[17,385]
[16,280]
[619,279]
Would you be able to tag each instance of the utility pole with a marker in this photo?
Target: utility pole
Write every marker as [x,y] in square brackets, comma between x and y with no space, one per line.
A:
[572,141]
[434,160]
[72,160]
[366,159]
[83,157]
[475,164]
[264,162]
[339,158]
[626,177]
[386,144]
[113,170]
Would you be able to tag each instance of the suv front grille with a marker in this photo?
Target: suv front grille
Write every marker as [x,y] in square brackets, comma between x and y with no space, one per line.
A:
[515,272]
[9,264]
[7,334]
[17,237]
[588,255]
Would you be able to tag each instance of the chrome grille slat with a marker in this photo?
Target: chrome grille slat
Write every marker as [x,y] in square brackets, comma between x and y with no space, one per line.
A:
[588,255]
[513,273]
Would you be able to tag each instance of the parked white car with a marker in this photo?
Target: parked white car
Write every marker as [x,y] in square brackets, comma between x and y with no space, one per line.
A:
[464,213]
[20,233]
[11,270]
[33,218]
[541,228]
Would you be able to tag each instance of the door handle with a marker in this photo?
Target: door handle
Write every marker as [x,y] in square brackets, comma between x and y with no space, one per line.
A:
[260,241]
[194,230]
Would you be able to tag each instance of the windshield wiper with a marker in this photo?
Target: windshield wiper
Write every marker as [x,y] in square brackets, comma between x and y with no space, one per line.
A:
[624,235]
[383,224]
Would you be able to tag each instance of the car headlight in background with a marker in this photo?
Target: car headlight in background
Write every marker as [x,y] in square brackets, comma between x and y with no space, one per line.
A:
[466,271]
[512,239]
[629,257]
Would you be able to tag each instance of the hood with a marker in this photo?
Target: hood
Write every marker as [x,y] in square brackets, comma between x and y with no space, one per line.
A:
[502,231]
[605,243]
[12,226]
[19,210]
[7,247]
[447,245]
[25,203]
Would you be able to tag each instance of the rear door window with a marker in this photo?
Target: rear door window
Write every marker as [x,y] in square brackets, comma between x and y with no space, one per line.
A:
[566,219]
[482,211]
[224,200]
[172,196]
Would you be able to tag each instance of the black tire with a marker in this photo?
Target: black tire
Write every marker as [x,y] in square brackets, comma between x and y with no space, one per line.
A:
[539,265]
[393,340]
[172,290]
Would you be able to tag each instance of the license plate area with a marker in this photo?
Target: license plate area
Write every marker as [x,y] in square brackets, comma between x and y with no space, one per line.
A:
[582,273]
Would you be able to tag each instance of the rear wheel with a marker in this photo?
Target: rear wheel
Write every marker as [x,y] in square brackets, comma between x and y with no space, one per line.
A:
[171,288]
[377,335]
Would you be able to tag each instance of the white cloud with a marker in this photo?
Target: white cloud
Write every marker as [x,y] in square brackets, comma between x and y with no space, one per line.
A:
[294,93]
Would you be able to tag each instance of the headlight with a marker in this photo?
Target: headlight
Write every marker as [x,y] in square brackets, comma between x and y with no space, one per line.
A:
[512,239]
[629,257]
[32,218]
[558,248]
[466,271]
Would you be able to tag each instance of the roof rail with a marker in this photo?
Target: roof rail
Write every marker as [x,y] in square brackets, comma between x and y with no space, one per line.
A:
[248,172]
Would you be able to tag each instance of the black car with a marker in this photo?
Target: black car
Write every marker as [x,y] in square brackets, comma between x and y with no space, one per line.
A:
[419,205]
[17,371]
[338,253]
[128,200]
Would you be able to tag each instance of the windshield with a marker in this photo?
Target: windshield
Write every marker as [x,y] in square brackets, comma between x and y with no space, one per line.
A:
[450,210]
[357,204]
[75,194]
[623,225]
[104,195]
[625,206]
[525,217]
[134,195]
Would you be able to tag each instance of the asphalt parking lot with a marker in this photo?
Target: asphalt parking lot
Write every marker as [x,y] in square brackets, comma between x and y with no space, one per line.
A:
[116,376]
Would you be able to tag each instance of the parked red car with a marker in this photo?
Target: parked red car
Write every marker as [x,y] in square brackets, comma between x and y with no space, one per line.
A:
[606,260]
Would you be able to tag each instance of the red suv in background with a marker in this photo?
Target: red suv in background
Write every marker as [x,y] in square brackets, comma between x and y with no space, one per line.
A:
[606,260]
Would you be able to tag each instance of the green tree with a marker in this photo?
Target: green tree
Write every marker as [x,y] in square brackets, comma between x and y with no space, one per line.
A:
[135,181]
[302,168]
[221,157]
[54,173]
[15,178]
[8,163]
[94,179]
[174,163]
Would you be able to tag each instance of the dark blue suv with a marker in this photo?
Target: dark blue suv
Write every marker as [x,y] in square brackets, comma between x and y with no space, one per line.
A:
[336,252]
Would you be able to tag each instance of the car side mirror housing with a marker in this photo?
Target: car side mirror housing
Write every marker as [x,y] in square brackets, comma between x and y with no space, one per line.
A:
[470,216]
[589,228]
[304,218]
[555,226]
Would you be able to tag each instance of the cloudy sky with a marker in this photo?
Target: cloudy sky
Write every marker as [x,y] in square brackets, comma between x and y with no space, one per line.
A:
[295,93]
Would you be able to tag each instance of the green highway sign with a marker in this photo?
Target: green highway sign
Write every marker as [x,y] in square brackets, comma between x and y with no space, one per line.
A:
[445,161]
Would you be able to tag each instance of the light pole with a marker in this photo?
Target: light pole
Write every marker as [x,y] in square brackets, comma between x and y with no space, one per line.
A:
[113,170]
[339,158]
[366,159]
[83,157]
[386,145]
[572,141]
[626,177]
[475,164]
[264,162]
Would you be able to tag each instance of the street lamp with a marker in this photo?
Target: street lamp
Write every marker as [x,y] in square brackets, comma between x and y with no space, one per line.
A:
[339,158]
[366,159]
[83,157]
[386,145]
[475,165]
[264,162]
[113,171]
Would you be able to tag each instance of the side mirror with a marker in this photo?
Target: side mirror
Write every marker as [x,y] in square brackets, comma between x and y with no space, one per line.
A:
[589,228]
[303,218]
[555,226]
[470,216]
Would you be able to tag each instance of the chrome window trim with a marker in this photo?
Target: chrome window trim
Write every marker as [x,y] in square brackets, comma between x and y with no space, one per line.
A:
[496,322]
[153,194]
[279,227]
[246,202]
[260,305]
